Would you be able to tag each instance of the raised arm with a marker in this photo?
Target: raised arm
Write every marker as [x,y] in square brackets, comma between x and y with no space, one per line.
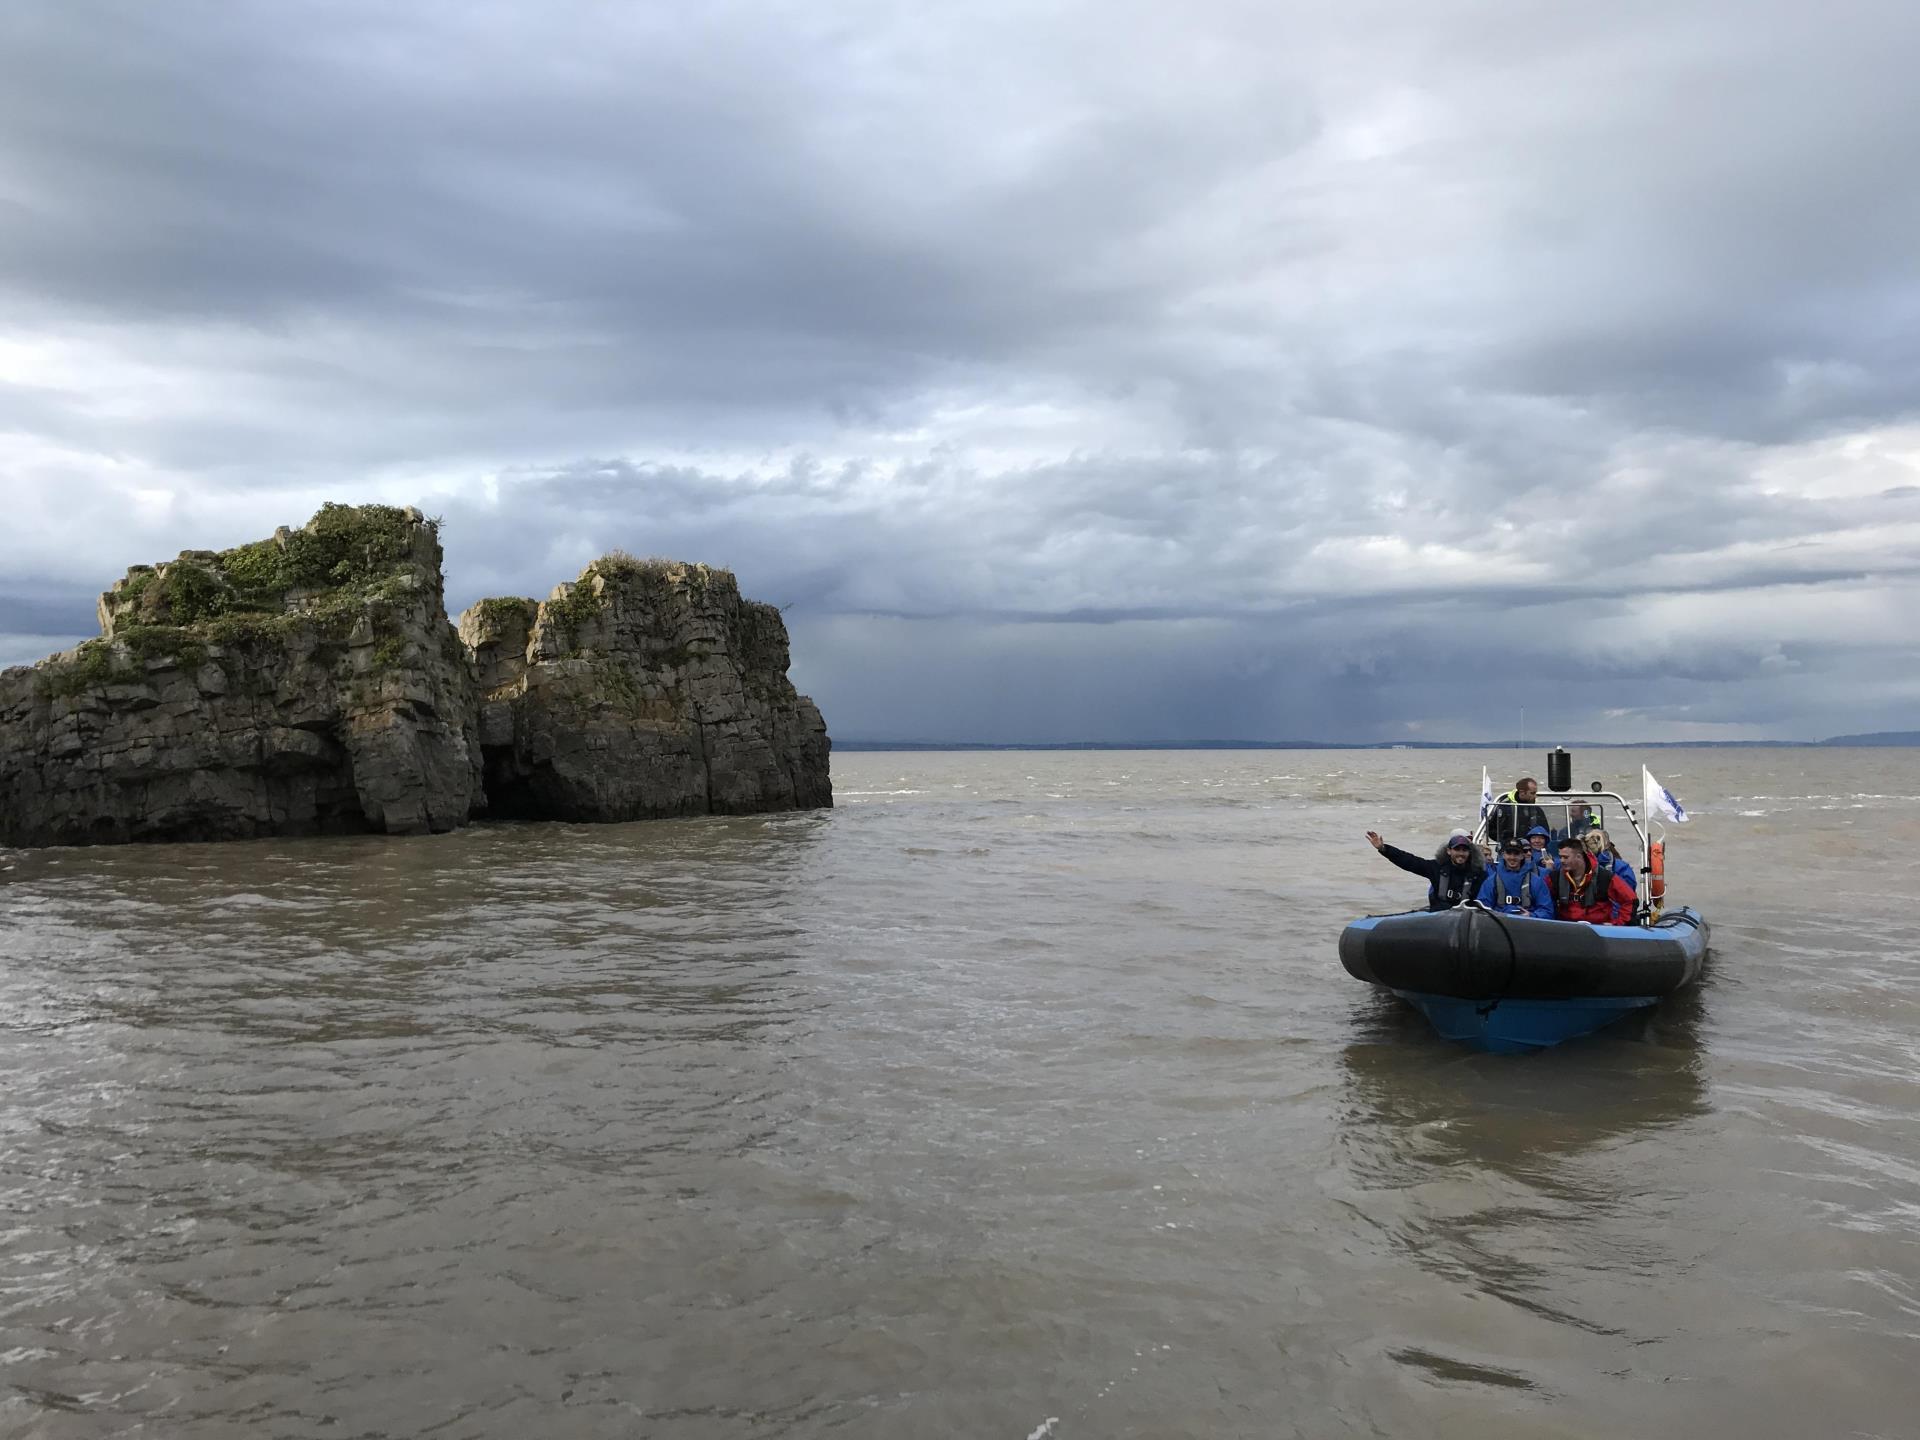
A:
[1416,864]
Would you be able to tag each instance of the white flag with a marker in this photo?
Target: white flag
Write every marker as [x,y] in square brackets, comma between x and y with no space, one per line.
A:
[1660,800]
[1486,792]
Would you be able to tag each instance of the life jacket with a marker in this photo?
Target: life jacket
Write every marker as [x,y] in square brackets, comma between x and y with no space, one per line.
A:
[1596,889]
[1454,884]
[1513,887]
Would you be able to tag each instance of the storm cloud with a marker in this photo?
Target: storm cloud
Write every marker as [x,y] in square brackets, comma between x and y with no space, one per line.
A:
[1067,371]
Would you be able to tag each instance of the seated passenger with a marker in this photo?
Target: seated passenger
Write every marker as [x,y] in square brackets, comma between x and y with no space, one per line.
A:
[1585,890]
[1514,813]
[1580,819]
[1541,840]
[1515,886]
[1452,875]
[1600,845]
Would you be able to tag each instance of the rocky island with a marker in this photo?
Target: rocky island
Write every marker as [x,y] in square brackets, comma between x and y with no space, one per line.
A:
[312,683]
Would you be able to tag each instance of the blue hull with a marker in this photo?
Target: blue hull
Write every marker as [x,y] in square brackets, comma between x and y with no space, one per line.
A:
[1515,984]
[1519,1027]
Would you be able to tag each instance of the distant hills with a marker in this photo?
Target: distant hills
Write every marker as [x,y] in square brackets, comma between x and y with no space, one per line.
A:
[1877,738]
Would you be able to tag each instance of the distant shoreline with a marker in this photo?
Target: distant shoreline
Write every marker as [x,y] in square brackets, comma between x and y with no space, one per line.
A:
[1882,741]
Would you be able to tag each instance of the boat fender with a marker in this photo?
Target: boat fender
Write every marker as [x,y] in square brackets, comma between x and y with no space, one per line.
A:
[1657,872]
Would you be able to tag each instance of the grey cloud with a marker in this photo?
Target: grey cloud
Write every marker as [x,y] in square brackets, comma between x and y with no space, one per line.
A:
[1041,339]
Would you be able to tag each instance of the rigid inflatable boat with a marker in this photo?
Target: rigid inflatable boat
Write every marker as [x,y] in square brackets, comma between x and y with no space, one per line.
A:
[1515,983]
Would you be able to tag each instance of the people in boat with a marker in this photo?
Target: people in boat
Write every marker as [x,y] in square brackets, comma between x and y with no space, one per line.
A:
[1580,819]
[1514,813]
[1541,852]
[1453,874]
[1600,846]
[1516,886]
[1585,889]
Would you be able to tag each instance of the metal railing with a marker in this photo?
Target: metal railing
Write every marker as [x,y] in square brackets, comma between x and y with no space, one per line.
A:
[1644,912]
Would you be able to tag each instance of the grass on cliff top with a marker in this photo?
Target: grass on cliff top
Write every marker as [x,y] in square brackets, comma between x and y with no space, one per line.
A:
[582,602]
[345,549]
[502,609]
[625,565]
[348,558]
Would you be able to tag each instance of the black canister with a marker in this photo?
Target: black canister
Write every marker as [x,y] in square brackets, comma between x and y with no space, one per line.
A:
[1559,770]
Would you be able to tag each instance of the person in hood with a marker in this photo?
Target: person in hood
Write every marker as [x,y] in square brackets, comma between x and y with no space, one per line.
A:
[1452,875]
[1584,889]
[1514,813]
[1540,843]
[1600,846]
[1516,886]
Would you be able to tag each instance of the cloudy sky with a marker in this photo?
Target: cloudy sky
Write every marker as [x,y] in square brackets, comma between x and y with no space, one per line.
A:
[1230,369]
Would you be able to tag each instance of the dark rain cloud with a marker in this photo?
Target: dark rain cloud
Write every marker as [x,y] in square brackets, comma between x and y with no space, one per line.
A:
[1066,370]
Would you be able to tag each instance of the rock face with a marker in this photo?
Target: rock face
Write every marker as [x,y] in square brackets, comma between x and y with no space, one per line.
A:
[641,689]
[312,683]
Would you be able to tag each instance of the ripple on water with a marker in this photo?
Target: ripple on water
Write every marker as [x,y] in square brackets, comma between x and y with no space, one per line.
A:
[1026,1091]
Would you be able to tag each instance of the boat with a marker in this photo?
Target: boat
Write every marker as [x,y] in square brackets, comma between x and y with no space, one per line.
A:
[1514,983]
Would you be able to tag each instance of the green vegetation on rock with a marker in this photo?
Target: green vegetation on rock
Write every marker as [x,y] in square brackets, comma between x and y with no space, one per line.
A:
[124,657]
[389,652]
[168,642]
[87,665]
[575,608]
[625,565]
[503,610]
[345,558]
[349,561]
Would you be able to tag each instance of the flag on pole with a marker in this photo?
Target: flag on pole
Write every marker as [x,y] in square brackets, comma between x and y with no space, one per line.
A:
[1486,792]
[1659,800]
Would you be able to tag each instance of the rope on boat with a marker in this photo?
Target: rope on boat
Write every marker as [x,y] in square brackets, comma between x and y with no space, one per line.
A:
[1513,958]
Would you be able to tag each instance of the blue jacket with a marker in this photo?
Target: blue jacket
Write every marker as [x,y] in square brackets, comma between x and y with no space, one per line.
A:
[1546,861]
[1528,892]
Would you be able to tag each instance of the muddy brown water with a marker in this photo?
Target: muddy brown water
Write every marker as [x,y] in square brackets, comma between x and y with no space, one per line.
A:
[1020,1087]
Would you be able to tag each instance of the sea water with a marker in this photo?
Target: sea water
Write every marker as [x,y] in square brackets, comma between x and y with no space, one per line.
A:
[1021,1094]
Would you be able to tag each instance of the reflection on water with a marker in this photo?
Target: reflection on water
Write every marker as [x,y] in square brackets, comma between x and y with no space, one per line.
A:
[1520,1181]
[1019,1086]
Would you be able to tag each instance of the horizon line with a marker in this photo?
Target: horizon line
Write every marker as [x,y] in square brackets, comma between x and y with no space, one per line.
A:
[1886,739]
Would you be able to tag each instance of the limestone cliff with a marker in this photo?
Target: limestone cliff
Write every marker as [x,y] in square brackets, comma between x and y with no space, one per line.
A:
[312,683]
[642,688]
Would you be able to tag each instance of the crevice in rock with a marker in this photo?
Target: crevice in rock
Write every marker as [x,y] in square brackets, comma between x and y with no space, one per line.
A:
[511,794]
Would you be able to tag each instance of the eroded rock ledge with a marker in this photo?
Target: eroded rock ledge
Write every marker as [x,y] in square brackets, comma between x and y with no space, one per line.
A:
[312,683]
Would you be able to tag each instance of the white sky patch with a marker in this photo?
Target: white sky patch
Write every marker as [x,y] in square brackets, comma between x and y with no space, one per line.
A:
[1383,564]
[1863,465]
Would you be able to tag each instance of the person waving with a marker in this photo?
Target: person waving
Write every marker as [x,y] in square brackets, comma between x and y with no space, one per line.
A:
[1452,875]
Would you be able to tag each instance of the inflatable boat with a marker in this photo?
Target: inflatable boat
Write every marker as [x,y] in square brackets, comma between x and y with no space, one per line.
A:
[1514,983]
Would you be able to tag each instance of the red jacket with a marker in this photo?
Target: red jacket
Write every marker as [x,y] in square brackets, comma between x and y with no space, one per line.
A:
[1603,899]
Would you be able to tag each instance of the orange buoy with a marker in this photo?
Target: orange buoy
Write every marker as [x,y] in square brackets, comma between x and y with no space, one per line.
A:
[1657,872]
